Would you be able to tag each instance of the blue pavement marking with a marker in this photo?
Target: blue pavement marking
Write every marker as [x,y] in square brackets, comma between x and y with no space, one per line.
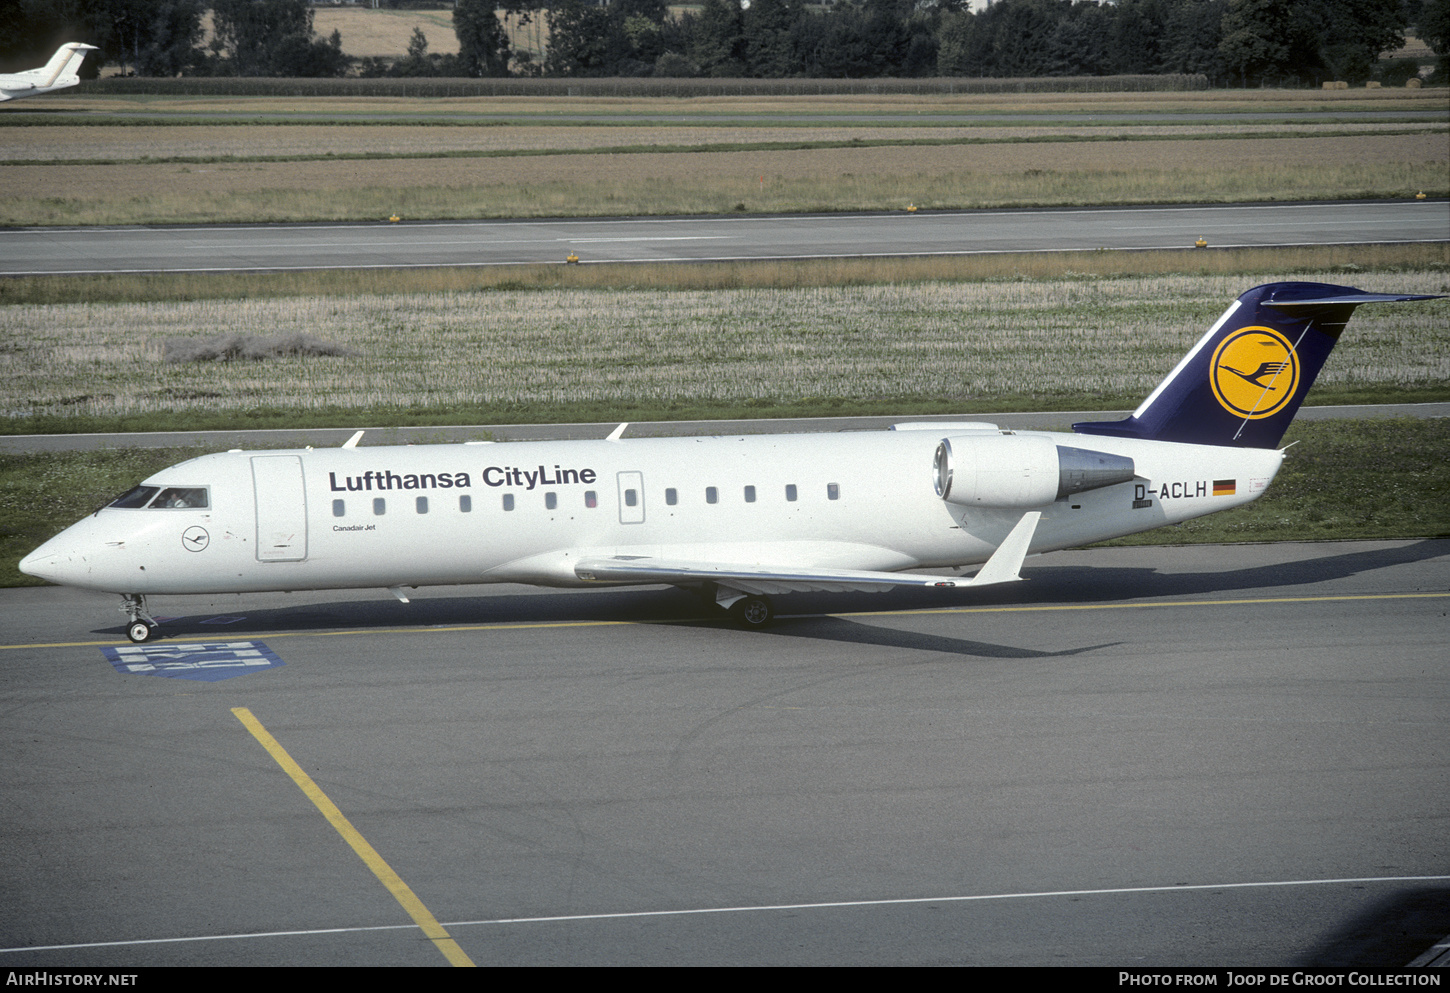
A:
[208,661]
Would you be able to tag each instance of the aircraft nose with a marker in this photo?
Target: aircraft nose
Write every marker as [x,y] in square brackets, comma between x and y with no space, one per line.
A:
[44,563]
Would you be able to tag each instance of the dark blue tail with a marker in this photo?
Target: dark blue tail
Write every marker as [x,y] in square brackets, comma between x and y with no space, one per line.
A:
[1244,380]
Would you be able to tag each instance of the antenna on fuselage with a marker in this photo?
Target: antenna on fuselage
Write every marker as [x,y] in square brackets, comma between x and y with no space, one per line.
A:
[618,432]
[352,442]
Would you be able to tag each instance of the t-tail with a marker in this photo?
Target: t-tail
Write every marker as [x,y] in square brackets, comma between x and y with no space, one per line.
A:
[1245,379]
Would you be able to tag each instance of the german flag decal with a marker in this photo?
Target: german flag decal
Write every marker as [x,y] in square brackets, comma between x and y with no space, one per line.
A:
[1224,487]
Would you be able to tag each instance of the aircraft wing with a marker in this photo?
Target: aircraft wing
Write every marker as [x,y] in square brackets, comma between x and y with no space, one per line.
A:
[1002,567]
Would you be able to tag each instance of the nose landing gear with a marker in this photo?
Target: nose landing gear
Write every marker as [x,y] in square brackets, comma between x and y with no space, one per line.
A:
[140,624]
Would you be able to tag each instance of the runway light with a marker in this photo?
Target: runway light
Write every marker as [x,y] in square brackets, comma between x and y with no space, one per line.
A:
[1200,243]
[572,259]
[1420,195]
[395,218]
[911,208]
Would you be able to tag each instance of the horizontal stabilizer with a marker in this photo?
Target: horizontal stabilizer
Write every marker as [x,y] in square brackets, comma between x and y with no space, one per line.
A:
[1349,299]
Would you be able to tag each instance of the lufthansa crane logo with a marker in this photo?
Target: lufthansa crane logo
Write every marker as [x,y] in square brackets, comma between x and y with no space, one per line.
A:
[1254,372]
[194,539]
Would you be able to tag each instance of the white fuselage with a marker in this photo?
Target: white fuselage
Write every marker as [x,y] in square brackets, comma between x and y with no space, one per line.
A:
[396,516]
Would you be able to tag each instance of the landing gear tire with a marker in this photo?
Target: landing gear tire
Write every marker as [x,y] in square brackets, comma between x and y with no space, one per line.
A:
[139,624]
[753,613]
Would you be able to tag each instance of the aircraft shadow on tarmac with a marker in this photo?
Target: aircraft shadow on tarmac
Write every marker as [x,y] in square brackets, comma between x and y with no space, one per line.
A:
[1046,584]
[1389,933]
[856,633]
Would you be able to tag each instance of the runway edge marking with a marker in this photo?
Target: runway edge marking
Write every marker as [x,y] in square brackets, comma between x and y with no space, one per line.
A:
[832,905]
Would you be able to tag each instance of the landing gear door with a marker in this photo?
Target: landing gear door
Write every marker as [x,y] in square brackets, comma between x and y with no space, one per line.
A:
[631,498]
[281,508]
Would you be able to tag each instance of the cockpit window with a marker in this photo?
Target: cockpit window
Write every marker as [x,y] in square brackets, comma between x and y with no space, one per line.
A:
[137,497]
[181,497]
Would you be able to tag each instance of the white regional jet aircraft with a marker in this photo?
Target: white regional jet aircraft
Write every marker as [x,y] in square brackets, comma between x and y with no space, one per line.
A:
[734,518]
[57,74]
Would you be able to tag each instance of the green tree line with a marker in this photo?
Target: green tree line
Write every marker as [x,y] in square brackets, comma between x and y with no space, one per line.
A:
[1232,42]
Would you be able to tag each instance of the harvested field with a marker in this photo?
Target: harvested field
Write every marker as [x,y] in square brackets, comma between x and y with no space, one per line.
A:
[940,340]
[368,32]
[711,182]
[260,141]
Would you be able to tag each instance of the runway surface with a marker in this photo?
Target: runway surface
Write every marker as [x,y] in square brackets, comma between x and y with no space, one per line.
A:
[1213,755]
[242,248]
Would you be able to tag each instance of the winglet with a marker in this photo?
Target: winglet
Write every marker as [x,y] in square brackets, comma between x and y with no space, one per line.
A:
[618,432]
[352,442]
[1006,561]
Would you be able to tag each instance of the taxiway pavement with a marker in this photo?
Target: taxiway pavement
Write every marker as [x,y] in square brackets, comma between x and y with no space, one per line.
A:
[275,247]
[1202,755]
[1055,420]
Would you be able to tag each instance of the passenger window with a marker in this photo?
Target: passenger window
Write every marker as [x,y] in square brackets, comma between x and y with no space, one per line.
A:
[465,503]
[380,506]
[339,508]
[631,498]
[833,491]
[508,501]
[182,498]
[712,495]
[422,505]
[551,501]
[591,499]
[137,497]
[750,494]
[672,497]
[790,493]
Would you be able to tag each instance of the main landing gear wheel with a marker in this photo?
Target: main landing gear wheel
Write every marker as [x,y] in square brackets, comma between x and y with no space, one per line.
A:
[139,631]
[753,613]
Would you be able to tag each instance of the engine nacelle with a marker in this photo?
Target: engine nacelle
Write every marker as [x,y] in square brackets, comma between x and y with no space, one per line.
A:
[1020,471]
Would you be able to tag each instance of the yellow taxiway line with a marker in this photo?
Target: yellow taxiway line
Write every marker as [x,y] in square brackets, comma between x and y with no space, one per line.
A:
[528,625]
[390,879]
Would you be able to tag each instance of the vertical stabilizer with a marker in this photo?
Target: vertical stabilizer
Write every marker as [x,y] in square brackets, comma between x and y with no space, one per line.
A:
[1244,380]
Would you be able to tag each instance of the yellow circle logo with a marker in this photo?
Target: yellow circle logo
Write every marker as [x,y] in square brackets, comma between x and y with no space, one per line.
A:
[1254,372]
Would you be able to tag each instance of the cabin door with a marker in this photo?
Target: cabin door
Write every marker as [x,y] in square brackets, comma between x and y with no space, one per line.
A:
[631,498]
[281,508]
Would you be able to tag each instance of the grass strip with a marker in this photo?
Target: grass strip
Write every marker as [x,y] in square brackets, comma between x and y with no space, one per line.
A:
[1370,479]
[668,149]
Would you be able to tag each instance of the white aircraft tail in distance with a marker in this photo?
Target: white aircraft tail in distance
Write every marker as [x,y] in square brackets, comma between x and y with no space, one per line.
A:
[61,72]
[738,519]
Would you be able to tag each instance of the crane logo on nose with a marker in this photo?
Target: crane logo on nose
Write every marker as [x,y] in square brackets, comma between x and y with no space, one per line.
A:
[194,539]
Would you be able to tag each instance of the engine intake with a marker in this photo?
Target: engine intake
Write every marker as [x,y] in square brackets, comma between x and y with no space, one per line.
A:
[1020,470]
